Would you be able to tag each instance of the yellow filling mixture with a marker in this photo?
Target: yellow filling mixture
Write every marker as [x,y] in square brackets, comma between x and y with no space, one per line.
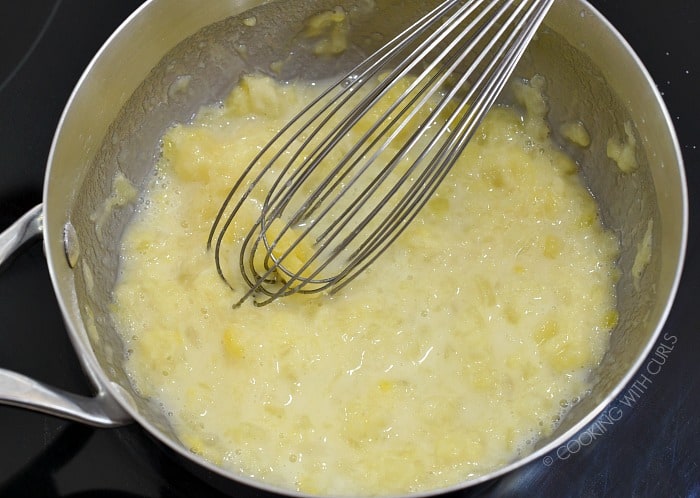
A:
[460,347]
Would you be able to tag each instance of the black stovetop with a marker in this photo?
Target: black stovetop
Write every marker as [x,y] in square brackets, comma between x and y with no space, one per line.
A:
[651,449]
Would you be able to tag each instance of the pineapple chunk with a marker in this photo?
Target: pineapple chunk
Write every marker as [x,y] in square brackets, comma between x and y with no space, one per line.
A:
[575,132]
[297,258]
[438,206]
[547,331]
[610,319]
[232,345]
[623,152]
[552,247]
[567,355]
[160,350]
[317,25]
[332,28]
[202,446]
[257,95]
[190,152]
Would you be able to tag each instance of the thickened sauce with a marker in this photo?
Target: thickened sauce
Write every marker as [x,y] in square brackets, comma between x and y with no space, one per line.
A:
[448,358]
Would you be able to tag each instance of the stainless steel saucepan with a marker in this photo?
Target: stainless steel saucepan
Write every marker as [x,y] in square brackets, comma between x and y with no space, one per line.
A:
[169,58]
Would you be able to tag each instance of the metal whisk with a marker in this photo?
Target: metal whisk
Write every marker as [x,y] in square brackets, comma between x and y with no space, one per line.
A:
[346,176]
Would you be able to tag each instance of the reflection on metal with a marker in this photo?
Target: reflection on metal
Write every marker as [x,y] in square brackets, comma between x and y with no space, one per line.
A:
[33,45]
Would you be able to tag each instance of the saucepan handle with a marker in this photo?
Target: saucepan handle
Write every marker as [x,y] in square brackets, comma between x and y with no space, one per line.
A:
[101,410]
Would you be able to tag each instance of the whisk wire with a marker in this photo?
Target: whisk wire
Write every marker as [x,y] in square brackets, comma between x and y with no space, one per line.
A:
[402,213]
[368,67]
[350,82]
[344,218]
[307,166]
[379,130]
[357,113]
[436,82]
[398,213]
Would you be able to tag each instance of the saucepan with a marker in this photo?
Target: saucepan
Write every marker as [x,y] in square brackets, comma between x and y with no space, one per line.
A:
[169,58]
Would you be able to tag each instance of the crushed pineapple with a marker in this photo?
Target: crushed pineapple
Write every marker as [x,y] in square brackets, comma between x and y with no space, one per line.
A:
[623,152]
[445,360]
[576,133]
[331,31]
[123,193]
[299,252]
